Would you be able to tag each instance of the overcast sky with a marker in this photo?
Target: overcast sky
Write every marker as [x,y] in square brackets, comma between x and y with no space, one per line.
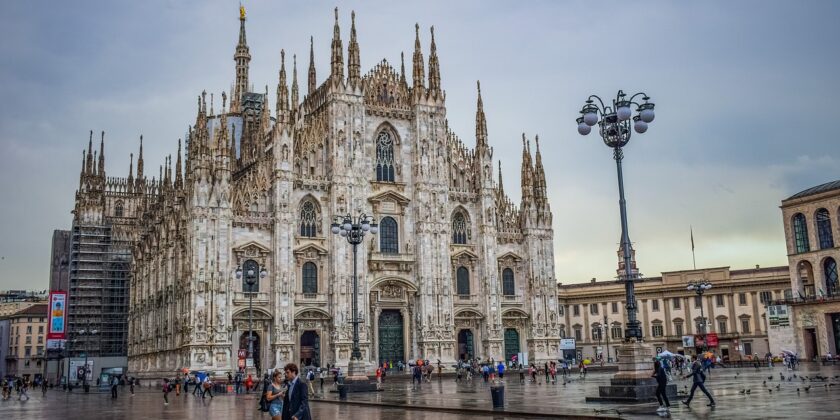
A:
[746,93]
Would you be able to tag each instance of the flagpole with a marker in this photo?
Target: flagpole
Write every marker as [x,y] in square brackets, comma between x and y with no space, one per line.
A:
[693,259]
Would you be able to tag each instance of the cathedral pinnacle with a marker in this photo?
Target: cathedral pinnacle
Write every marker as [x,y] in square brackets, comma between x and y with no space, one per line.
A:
[131,171]
[282,90]
[337,58]
[242,57]
[312,81]
[402,68]
[353,63]
[418,70]
[89,162]
[501,184]
[434,69]
[527,173]
[539,174]
[294,84]
[179,180]
[480,121]
[101,169]
[140,161]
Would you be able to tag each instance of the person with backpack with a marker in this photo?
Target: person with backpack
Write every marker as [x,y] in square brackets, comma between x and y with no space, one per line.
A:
[698,379]
[207,386]
[310,376]
[274,395]
[661,382]
[166,390]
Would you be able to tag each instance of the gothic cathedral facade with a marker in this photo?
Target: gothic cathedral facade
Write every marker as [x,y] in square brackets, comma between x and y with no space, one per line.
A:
[456,271]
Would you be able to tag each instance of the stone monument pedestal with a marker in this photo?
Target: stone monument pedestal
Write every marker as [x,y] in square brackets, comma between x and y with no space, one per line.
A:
[356,379]
[633,382]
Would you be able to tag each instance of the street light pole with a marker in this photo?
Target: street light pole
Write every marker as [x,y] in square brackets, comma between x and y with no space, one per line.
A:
[614,128]
[250,274]
[699,288]
[608,332]
[354,231]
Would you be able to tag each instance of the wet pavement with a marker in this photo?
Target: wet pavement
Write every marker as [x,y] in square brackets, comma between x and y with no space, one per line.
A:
[444,399]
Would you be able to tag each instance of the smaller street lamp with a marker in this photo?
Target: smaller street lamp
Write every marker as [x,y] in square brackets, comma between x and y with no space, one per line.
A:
[251,268]
[86,370]
[700,287]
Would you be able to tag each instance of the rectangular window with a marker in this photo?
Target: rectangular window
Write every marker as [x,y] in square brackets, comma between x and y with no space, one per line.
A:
[678,328]
[745,325]
[576,310]
[765,296]
[40,349]
[721,327]
[676,303]
[742,299]
[698,301]
[28,340]
[593,309]
[655,305]
[615,307]
[657,330]
[788,294]
[40,329]
[578,335]
[560,310]
[27,351]
[617,333]
[29,329]
[41,339]
[719,300]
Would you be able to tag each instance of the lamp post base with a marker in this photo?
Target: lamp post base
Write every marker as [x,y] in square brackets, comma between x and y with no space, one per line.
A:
[633,382]
[357,379]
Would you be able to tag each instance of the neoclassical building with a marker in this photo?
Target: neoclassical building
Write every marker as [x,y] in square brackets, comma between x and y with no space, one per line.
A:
[811,313]
[456,271]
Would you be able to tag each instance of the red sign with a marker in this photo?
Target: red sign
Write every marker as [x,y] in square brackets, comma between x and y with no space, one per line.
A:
[57,316]
[712,340]
[241,363]
[243,354]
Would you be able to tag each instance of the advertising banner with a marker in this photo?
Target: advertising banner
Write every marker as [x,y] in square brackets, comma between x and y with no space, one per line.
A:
[77,370]
[57,316]
[688,341]
[712,339]
[567,344]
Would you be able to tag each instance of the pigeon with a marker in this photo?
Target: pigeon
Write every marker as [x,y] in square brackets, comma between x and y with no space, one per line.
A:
[771,391]
[748,391]
[743,391]
[797,389]
[764,383]
[807,388]
[770,378]
[782,376]
[778,386]
[789,378]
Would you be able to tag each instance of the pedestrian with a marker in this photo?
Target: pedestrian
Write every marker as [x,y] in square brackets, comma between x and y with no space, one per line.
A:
[553,372]
[323,375]
[310,377]
[582,369]
[114,383]
[501,369]
[661,383]
[207,386]
[44,388]
[131,385]
[275,395]
[196,385]
[416,375]
[547,373]
[698,378]
[521,374]
[22,390]
[379,376]
[249,383]
[166,390]
[296,400]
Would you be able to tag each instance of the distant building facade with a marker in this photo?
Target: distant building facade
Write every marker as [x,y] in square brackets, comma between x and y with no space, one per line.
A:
[808,320]
[60,260]
[27,342]
[594,313]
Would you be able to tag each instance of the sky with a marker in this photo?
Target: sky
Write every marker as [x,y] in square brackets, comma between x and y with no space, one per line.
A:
[745,92]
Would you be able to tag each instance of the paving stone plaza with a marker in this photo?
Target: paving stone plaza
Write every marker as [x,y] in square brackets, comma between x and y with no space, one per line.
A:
[444,399]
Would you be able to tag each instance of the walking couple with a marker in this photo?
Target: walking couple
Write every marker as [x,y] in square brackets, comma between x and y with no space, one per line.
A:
[287,397]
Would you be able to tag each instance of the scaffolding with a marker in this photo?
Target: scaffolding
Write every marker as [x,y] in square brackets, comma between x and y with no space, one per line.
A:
[100,266]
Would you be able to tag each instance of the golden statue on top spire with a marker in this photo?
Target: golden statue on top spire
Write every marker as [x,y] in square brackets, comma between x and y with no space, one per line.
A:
[241,11]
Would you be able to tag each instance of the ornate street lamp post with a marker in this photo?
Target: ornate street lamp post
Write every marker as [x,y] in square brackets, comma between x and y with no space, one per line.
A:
[633,381]
[607,331]
[250,270]
[354,230]
[614,128]
[86,370]
[700,287]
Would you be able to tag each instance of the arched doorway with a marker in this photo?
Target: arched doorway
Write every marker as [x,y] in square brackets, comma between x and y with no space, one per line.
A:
[466,346]
[391,336]
[243,345]
[511,343]
[310,349]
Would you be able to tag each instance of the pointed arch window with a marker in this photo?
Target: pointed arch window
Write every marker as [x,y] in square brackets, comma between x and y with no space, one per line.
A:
[308,219]
[463,284]
[384,157]
[800,233]
[831,277]
[118,209]
[310,278]
[388,236]
[824,229]
[508,285]
[459,229]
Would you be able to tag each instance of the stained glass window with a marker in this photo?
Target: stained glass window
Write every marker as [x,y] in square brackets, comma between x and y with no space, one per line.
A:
[507,282]
[463,281]
[308,220]
[384,157]
[388,236]
[310,278]
[459,229]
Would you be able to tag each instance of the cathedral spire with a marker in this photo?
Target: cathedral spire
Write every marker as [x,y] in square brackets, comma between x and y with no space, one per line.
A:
[434,70]
[179,180]
[337,57]
[242,58]
[101,169]
[418,71]
[89,161]
[294,103]
[140,161]
[282,90]
[312,81]
[527,173]
[402,68]
[501,184]
[480,121]
[539,174]
[353,63]
[131,172]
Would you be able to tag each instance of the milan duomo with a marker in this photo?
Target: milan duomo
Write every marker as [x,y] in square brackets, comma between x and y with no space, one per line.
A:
[456,271]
